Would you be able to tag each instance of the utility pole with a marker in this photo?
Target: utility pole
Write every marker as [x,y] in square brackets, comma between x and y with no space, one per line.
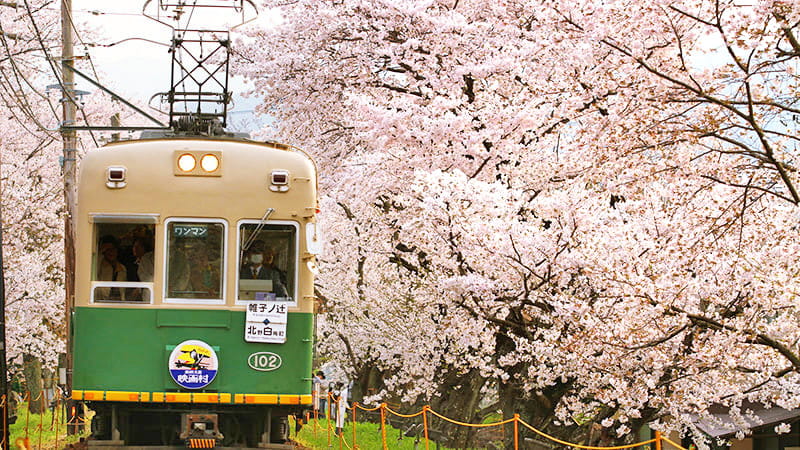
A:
[69,157]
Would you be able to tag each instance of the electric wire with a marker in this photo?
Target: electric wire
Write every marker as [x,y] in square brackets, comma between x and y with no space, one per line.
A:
[68,94]
[91,64]
[85,46]
[191,14]
[96,12]
[130,39]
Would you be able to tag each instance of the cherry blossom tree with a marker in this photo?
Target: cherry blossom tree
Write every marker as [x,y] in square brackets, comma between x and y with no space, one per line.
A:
[32,183]
[589,208]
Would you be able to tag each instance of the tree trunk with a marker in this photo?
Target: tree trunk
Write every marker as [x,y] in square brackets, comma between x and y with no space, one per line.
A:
[458,399]
[32,368]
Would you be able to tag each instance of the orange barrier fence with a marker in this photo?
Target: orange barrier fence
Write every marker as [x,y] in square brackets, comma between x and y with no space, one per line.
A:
[332,404]
[32,436]
[383,409]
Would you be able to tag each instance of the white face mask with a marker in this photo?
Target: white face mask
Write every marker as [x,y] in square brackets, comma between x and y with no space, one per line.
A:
[256,259]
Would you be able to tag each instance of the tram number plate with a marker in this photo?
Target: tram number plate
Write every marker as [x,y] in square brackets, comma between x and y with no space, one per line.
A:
[266,322]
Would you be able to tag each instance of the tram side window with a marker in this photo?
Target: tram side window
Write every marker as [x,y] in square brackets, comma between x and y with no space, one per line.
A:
[123,256]
[268,256]
[194,260]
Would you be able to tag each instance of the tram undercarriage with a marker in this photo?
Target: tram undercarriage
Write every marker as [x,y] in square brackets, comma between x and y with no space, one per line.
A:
[117,425]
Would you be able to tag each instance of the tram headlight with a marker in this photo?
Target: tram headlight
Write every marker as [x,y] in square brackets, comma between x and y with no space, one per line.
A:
[197,163]
[209,163]
[186,162]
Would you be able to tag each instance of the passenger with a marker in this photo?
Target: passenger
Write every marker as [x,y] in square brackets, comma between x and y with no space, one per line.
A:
[178,277]
[110,269]
[128,256]
[143,265]
[204,279]
[143,252]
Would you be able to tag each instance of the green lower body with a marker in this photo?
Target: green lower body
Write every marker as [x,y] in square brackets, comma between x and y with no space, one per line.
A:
[127,350]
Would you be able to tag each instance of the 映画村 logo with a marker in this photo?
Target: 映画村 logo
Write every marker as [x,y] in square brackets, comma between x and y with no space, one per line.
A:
[193,364]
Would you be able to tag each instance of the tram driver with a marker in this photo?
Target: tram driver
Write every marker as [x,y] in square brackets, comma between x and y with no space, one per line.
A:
[259,264]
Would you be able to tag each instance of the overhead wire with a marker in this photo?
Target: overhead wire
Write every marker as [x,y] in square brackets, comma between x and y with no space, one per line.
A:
[130,39]
[96,12]
[69,95]
[191,14]
[80,39]
[94,71]
[88,55]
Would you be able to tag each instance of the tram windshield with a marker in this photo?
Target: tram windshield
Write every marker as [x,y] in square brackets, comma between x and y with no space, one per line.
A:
[267,262]
[194,260]
[123,262]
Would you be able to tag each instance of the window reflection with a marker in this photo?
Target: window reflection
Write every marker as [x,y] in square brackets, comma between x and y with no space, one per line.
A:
[194,260]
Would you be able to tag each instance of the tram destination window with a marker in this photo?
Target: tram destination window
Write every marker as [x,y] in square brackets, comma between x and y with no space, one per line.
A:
[122,262]
[267,262]
[195,262]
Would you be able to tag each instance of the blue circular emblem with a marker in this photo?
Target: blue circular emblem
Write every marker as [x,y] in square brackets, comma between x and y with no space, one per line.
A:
[193,364]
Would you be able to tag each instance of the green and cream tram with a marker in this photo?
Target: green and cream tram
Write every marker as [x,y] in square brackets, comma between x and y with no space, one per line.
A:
[193,320]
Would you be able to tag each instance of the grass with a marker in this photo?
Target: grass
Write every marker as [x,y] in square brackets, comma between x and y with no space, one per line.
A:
[368,437]
[40,430]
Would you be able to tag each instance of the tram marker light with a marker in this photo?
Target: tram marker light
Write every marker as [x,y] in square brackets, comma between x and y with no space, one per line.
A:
[115,177]
[197,163]
[186,162]
[279,180]
[209,162]
[280,177]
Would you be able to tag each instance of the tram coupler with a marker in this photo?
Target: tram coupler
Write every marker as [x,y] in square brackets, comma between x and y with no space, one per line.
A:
[200,430]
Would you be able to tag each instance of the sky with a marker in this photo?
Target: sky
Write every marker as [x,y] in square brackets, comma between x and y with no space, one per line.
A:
[137,63]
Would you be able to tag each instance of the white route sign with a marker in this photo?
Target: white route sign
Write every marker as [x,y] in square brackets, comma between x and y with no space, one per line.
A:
[266,322]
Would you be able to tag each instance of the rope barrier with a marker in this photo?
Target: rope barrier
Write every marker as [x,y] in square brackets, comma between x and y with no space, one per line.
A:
[355,408]
[369,409]
[383,426]
[473,425]
[56,416]
[406,416]
[44,408]
[516,420]
[670,441]
[4,409]
[334,404]
[34,430]
[328,417]
[27,416]
[425,409]
[584,447]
